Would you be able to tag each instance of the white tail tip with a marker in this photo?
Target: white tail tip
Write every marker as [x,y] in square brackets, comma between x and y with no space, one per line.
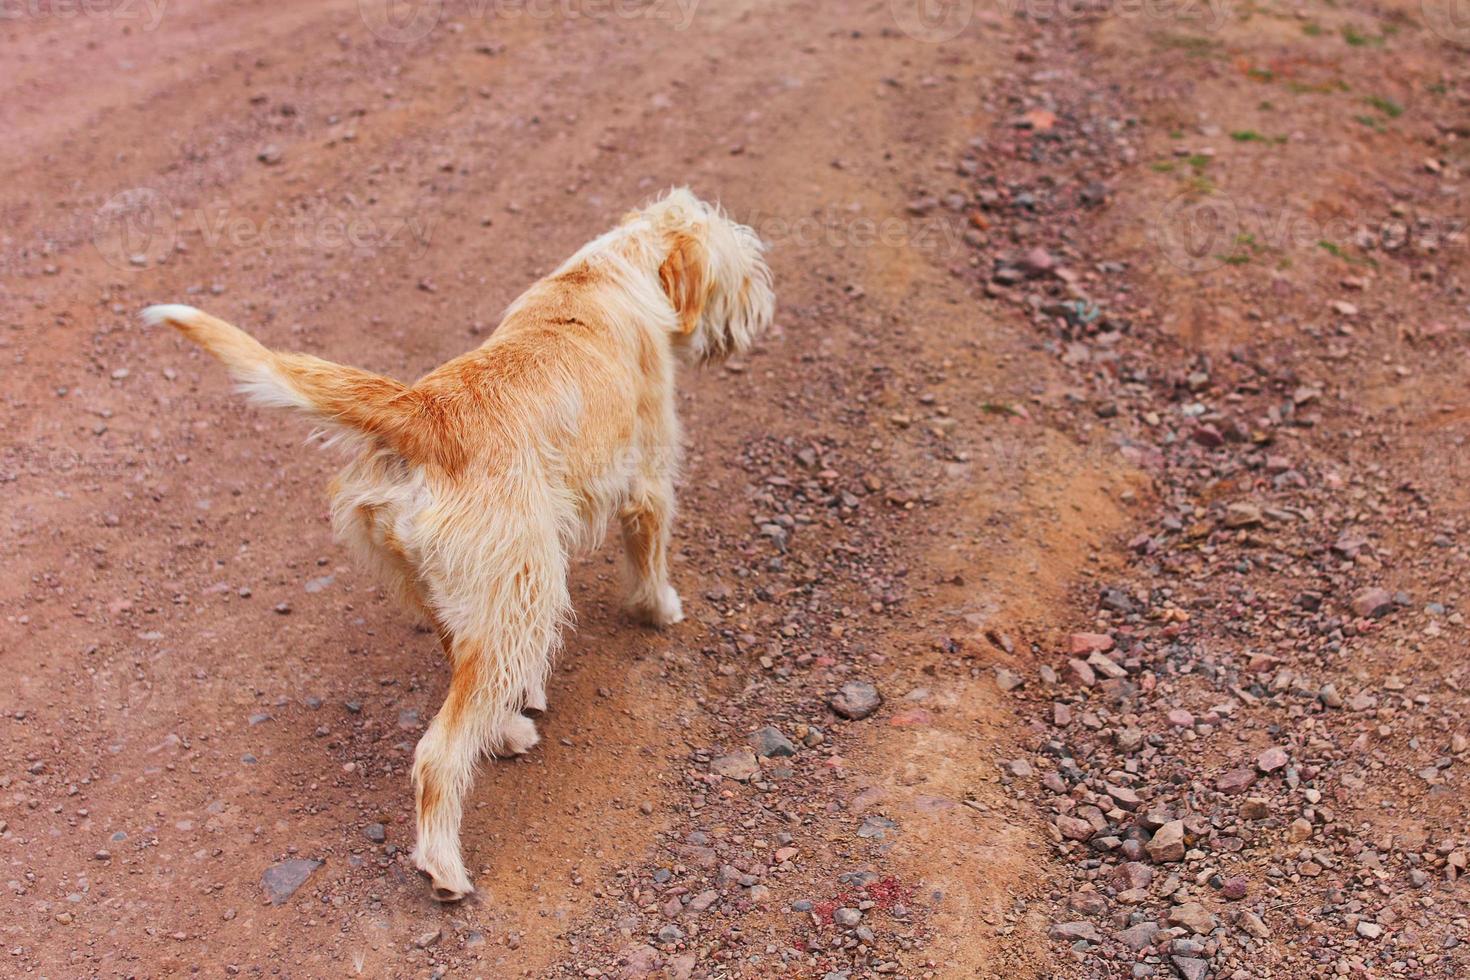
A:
[155,316]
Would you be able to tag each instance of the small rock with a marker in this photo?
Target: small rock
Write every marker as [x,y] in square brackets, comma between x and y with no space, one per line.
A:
[1074,828]
[875,827]
[1272,759]
[1255,808]
[270,155]
[1007,680]
[1081,673]
[1236,781]
[1072,931]
[1131,875]
[1191,967]
[1194,917]
[375,832]
[740,765]
[1139,936]
[1167,843]
[847,918]
[856,700]
[1086,643]
[769,741]
[280,881]
[1252,924]
[1373,603]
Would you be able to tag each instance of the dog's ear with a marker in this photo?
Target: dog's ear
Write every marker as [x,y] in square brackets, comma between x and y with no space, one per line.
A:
[684,275]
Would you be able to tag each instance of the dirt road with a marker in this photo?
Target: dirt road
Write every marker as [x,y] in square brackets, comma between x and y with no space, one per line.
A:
[1031,403]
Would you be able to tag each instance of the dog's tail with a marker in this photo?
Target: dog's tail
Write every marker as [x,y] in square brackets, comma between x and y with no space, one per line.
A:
[357,402]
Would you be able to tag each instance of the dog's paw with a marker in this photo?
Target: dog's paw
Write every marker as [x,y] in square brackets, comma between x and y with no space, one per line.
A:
[664,609]
[447,882]
[519,736]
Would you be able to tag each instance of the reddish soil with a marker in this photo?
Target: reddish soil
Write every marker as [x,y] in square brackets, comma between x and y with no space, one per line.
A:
[1020,388]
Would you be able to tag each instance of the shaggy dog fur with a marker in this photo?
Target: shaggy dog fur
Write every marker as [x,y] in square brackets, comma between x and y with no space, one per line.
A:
[472,488]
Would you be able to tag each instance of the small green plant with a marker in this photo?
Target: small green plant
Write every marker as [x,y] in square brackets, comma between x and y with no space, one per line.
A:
[1162,166]
[1197,162]
[1247,136]
[1311,29]
[1337,252]
[1198,47]
[1388,107]
[1323,88]
[1358,40]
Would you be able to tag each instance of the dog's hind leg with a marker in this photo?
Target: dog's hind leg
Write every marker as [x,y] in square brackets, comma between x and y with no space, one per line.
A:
[501,630]
[646,521]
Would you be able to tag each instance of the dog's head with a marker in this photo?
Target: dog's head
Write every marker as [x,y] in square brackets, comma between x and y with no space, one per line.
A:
[714,272]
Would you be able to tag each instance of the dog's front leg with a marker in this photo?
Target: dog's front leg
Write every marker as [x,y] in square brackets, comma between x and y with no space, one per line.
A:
[646,522]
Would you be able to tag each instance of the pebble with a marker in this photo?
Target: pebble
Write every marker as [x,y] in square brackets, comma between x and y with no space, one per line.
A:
[856,700]
[768,742]
[1194,917]
[740,765]
[1373,603]
[1073,931]
[1272,759]
[281,880]
[1167,843]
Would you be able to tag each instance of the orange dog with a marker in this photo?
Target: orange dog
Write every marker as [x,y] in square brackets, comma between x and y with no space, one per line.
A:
[471,488]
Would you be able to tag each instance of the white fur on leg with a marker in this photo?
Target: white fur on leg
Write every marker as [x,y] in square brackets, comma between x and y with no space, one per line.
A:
[441,862]
[656,605]
[519,736]
[535,699]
